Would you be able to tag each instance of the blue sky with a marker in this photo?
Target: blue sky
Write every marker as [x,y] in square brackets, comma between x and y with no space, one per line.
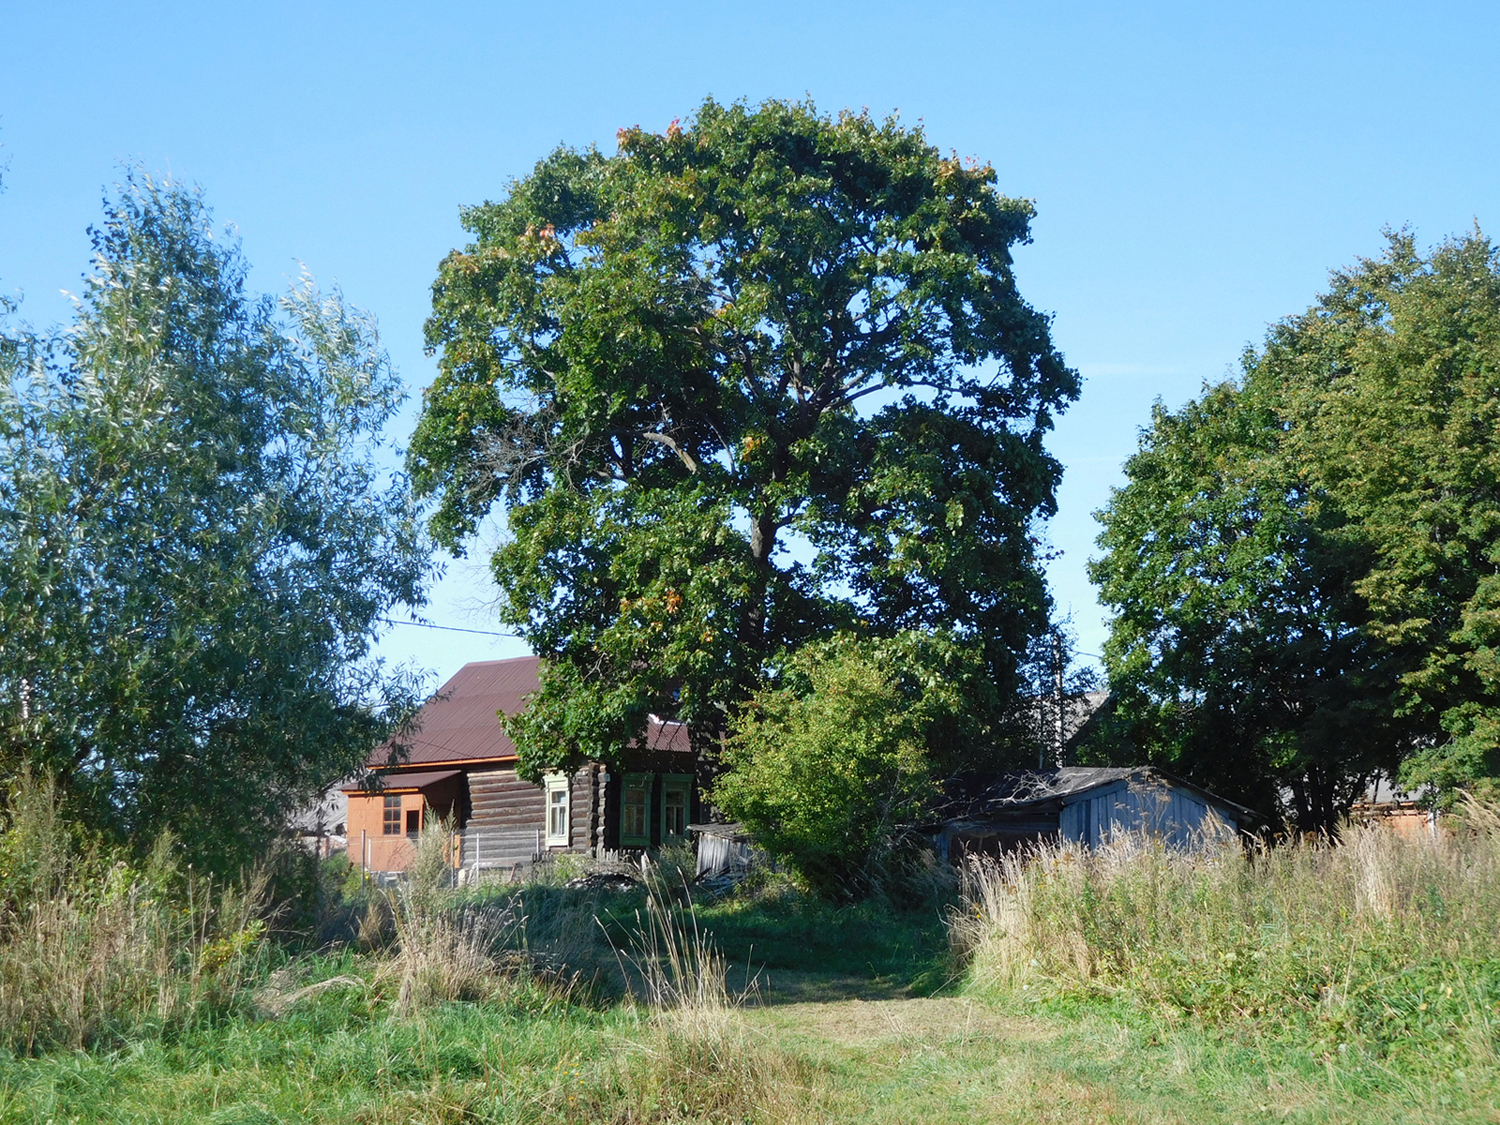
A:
[1197,168]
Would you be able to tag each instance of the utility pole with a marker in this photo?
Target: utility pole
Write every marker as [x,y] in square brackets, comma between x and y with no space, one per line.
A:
[1057,658]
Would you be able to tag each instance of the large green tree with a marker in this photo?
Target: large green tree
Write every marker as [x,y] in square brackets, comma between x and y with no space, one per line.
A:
[1236,653]
[757,379]
[1301,562]
[197,540]
[1394,386]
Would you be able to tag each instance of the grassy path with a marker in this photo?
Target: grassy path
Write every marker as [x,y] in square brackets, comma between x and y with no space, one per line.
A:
[854,1018]
[931,1060]
[947,1059]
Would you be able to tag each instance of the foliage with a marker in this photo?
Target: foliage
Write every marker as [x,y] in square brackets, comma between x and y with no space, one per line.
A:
[197,544]
[1298,560]
[1235,653]
[740,386]
[1396,411]
[829,767]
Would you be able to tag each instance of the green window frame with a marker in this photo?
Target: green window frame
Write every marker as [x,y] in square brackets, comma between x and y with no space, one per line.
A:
[676,805]
[635,810]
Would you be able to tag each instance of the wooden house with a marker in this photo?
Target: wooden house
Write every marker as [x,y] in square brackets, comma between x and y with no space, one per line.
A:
[458,764]
[1076,804]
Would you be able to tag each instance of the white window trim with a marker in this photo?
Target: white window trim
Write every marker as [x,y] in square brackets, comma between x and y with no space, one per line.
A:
[559,783]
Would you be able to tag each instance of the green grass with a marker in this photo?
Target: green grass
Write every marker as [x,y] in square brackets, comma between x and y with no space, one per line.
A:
[1311,985]
[342,1057]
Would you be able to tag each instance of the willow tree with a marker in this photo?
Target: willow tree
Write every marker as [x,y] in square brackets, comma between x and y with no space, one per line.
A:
[751,382]
[198,540]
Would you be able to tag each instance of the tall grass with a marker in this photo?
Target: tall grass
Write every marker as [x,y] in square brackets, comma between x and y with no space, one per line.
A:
[1385,940]
[696,1058]
[94,949]
[444,949]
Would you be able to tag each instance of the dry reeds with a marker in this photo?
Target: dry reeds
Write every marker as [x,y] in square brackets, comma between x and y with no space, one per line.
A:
[443,951]
[1390,937]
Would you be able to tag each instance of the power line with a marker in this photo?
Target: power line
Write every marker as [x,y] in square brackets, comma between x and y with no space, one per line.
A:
[447,628]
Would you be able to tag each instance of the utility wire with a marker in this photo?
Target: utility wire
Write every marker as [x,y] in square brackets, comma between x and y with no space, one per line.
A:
[447,628]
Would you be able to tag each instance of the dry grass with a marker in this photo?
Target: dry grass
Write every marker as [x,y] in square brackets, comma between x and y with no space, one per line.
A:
[1382,941]
[694,1057]
[93,949]
[438,949]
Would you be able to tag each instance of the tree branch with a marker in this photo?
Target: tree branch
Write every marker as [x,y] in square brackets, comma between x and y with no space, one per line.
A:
[671,443]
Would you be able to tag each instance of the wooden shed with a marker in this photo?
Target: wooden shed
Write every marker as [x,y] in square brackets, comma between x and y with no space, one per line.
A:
[1076,804]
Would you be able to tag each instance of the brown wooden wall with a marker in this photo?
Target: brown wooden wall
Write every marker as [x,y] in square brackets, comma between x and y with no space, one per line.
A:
[500,799]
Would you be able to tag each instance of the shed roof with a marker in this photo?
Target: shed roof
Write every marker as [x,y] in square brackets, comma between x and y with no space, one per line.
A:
[975,796]
[407,779]
[460,723]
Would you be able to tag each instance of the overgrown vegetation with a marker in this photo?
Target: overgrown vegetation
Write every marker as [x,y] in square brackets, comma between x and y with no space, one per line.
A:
[1380,952]
[1311,982]
[96,950]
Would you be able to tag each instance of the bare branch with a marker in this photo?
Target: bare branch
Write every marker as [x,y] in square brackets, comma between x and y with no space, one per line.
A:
[671,443]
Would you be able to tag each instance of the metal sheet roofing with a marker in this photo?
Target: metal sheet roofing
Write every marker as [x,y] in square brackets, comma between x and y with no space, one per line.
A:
[461,724]
[406,779]
[976,796]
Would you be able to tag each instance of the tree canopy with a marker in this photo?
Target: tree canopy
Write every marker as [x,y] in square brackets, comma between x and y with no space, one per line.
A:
[1301,561]
[744,384]
[197,541]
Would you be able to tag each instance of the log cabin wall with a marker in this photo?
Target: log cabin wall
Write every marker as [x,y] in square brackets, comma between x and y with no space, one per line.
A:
[499,799]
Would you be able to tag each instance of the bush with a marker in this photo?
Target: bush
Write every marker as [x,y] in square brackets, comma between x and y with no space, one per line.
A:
[827,769]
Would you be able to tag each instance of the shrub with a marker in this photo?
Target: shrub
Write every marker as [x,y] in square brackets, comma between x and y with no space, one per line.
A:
[827,769]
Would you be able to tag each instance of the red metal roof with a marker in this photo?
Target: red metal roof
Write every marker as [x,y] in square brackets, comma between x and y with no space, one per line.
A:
[663,734]
[461,724]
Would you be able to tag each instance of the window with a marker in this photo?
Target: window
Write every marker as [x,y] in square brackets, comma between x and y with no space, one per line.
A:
[557,809]
[413,823]
[676,798]
[635,811]
[391,825]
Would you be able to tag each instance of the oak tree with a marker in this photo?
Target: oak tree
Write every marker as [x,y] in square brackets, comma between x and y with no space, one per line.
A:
[743,384]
